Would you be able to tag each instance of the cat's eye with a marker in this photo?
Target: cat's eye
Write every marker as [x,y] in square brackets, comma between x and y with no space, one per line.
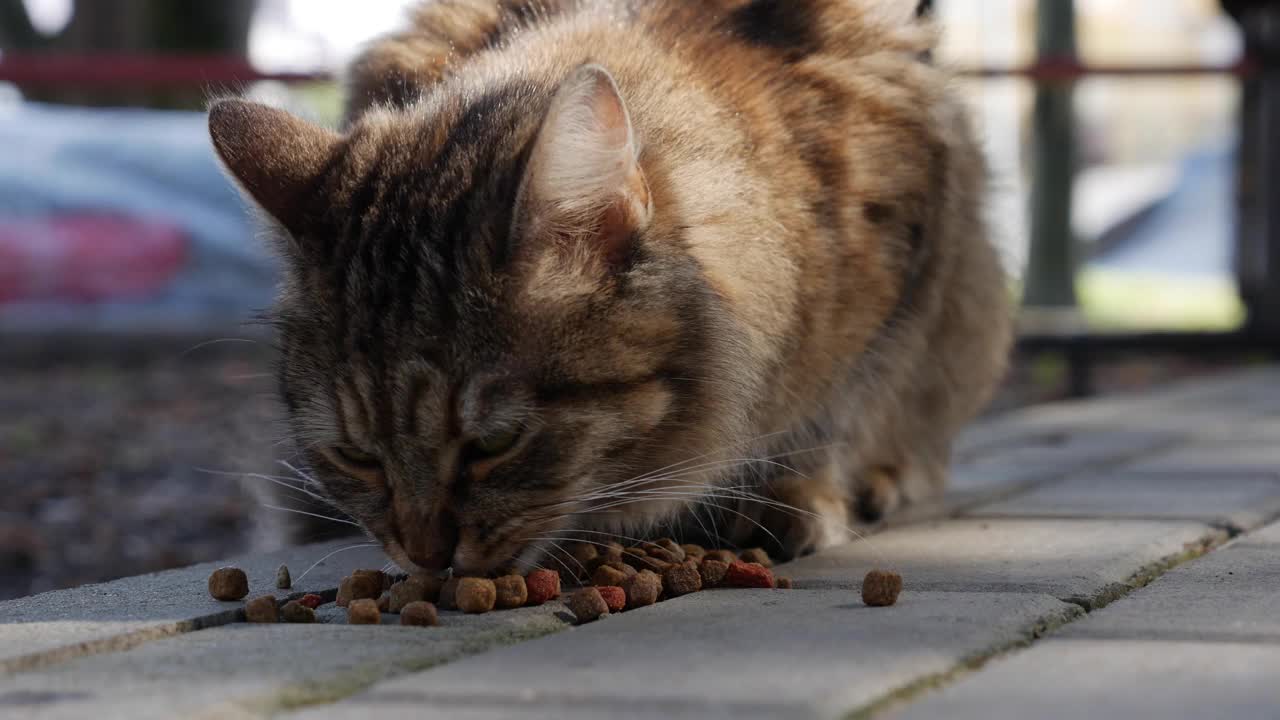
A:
[496,443]
[355,457]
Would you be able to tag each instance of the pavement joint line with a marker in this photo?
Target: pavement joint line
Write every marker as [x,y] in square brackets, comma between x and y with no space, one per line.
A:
[1085,606]
[129,640]
[1012,490]
[335,688]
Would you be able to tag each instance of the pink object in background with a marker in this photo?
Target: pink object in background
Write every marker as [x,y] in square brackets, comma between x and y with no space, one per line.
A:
[87,257]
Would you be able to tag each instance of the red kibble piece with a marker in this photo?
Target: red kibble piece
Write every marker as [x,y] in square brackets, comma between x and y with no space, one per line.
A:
[748,575]
[311,600]
[614,597]
[543,585]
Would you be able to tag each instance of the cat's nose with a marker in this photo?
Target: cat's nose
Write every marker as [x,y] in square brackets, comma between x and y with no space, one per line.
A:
[431,547]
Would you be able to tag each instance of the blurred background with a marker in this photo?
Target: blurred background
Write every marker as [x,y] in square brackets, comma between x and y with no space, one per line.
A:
[1134,155]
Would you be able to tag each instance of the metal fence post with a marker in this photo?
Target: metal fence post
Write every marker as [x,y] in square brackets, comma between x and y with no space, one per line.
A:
[1050,278]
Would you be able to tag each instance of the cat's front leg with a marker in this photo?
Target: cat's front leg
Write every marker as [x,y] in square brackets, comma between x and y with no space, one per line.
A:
[797,514]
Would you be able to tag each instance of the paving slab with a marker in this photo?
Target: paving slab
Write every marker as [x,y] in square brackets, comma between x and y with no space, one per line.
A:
[243,670]
[55,626]
[1229,595]
[1081,560]
[1216,457]
[1233,499]
[1130,679]
[721,653]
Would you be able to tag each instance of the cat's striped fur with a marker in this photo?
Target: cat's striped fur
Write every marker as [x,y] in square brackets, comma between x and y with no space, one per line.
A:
[651,240]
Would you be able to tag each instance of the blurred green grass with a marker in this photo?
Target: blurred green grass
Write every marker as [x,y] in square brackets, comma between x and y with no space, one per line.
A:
[1116,300]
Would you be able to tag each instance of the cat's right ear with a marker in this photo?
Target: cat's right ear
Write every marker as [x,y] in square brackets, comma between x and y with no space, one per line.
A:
[277,159]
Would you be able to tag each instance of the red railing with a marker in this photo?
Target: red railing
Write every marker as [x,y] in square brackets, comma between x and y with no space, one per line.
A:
[160,71]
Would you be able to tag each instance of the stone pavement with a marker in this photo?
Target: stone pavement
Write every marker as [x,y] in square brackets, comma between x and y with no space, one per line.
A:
[1112,558]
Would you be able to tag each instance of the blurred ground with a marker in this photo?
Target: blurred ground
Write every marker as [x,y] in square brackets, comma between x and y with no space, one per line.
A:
[105,465]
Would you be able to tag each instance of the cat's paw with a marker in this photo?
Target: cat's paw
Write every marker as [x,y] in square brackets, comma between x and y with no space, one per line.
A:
[805,517]
[878,495]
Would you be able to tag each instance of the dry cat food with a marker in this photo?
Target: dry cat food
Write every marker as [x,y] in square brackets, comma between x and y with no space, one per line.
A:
[420,613]
[614,597]
[228,583]
[724,556]
[295,612]
[713,572]
[262,610]
[363,611]
[512,592]
[404,592]
[283,580]
[748,575]
[607,575]
[880,588]
[476,595]
[587,605]
[619,579]
[543,585]
[448,592]
[643,589]
[359,585]
[681,579]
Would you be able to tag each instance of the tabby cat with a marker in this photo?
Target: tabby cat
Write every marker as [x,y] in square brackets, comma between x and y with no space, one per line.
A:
[581,267]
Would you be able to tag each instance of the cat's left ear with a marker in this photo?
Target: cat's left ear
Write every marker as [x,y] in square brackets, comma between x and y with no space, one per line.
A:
[584,189]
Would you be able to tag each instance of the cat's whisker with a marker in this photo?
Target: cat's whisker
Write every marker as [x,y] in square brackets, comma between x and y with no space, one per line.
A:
[314,515]
[326,557]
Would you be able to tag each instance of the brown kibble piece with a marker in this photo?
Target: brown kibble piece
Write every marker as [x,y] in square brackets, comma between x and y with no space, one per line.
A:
[447,600]
[512,592]
[712,572]
[431,584]
[359,585]
[405,592]
[880,588]
[283,581]
[748,575]
[543,585]
[228,583]
[262,609]
[606,575]
[756,555]
[376,576]
[642,589]
[587,605]
[384,602]
[673,549]
[419,613]
[725,556]
[783,583]
[694,552]
[295,612]
[681,580]
[614,597]
[363,611]
[583,554]
[476,595]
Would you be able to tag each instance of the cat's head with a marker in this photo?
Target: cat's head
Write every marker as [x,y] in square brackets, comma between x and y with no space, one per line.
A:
[487,318]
